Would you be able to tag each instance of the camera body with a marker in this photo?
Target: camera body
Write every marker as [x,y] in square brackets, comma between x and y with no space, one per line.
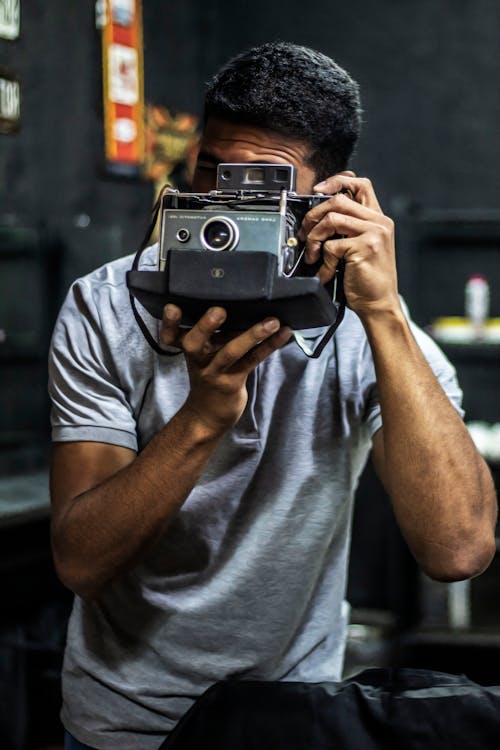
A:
[237,246]
[242,215]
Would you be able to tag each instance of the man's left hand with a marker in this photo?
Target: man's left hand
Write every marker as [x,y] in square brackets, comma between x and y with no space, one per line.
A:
[353,228]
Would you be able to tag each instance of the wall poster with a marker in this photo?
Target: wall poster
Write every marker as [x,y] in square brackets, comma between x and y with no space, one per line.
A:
[10,102]
[123,84]
[10,18]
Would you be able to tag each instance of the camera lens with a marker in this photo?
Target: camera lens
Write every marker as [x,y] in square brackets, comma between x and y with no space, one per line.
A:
[219,233]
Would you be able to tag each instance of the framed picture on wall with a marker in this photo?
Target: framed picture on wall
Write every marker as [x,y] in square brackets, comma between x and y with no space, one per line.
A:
[10,102]
[10,18]
[122,12]
[122,61]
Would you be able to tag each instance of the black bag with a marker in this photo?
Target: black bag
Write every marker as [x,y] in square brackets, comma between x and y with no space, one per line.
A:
[389,709]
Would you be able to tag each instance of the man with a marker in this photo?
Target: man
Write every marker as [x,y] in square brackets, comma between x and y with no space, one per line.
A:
[202,502]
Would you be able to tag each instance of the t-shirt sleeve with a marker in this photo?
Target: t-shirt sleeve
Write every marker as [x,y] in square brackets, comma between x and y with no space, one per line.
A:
[88,402]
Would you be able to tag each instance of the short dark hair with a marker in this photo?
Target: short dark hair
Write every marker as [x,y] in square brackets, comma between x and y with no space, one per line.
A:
[292,90]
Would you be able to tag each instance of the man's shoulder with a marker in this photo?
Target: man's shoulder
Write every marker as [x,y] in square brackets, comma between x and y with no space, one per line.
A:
[99,302]
[103,292]
[113,273]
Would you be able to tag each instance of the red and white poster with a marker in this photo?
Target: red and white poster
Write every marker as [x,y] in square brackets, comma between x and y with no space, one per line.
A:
[10,18]
[123,86]
[10,101]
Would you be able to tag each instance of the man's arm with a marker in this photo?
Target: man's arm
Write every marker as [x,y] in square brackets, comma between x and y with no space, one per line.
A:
[108,504]
[441,489]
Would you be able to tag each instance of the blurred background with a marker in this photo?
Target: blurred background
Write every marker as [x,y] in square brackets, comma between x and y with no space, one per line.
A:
[99,106]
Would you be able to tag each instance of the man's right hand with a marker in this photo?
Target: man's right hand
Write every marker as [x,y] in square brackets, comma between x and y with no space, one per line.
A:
[219,364]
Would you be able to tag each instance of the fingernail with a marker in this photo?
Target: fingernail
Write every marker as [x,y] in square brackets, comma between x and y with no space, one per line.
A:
[171,312]
[320,186]
[216,315]
[271,324]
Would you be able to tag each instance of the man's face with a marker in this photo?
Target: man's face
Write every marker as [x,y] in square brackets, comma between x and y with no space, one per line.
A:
[227,142]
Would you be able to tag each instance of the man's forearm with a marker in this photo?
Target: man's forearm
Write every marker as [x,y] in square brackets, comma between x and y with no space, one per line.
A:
[105,529]
[441,489]
[108,506]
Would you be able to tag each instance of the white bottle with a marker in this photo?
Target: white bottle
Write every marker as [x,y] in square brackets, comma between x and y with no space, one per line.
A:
[477,303]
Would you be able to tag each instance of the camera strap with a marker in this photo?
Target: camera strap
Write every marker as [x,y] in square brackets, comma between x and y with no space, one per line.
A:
[135,267]
[311,346]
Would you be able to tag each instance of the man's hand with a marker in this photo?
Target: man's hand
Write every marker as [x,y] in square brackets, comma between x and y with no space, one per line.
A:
[366,243]
[218,368]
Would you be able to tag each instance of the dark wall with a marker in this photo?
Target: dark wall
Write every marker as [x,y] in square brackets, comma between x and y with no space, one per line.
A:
[52,171]
[428,73]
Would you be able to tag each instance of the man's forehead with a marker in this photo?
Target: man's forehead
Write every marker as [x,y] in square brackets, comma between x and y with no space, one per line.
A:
[222,138]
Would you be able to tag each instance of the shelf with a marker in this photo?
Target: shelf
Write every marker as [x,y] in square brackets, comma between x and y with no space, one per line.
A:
[482,637]
[19,240]
[473,350]
[24,498]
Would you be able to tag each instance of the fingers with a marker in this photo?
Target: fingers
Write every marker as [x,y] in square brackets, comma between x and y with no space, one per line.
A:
[333,224]
[246,351]
[267,347]
[353,228]
[169,333]
[197,341]
[201,343]
[333,251]
[361,189]
[198,337]
[363,241]
[341,204]
[341,216]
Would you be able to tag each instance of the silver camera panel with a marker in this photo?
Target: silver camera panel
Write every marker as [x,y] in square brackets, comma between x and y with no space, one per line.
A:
[250,231]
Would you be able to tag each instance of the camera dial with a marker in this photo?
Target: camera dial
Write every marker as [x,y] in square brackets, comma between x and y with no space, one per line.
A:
[219,233]
[183,234]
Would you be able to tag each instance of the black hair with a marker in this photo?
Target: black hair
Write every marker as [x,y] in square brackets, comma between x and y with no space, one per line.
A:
[292,90]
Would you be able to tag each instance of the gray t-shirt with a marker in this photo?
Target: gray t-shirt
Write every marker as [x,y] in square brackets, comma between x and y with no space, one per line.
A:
[249,580]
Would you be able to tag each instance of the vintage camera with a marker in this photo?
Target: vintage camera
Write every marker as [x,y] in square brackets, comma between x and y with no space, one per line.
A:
[237,246]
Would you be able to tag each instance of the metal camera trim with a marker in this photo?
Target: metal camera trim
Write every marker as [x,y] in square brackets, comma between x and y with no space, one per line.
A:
[183,235]
[234,234]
